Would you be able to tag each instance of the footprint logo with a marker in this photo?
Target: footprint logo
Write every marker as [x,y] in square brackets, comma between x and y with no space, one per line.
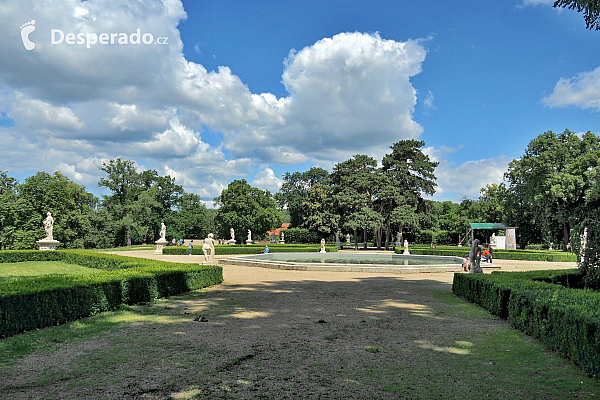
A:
[26,29]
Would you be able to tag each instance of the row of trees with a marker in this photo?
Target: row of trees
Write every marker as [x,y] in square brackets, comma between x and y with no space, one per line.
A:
[360,196]
[549,193]
[132,213]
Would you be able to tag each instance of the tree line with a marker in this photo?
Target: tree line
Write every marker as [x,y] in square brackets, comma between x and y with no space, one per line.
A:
[549,194]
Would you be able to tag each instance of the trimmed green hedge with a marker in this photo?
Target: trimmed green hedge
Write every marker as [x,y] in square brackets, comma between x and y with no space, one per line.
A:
[526,255]
[225,249]
[37,302]
[566,320]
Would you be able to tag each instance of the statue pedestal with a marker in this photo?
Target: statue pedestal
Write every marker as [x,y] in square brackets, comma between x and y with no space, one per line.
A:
[47,244]
[249,242]
[231,241]
[160,244]
[282,242]
[406,252]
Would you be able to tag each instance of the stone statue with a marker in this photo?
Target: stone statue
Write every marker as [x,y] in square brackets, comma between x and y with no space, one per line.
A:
[249,235]
[398,239]
[406,247]
[48,225]
[208,248]
[163,231]
[322,246]
[475,257]
[493,239]
[282,236]
[348,238]
[232,233]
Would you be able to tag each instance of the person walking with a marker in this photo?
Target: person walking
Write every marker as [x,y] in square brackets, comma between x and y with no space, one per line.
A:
[191,247]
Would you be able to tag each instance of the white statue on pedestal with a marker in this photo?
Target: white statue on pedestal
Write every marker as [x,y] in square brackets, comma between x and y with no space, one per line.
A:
[208,248]
[406,247]
[163,231]
[282,237]
[249,235]
[348,238]
[48,226]
[232,233]
[322,246]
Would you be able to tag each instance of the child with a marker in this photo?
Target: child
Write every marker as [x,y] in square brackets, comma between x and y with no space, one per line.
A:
[485,257]
[266,250]
[466,264]
[191,247]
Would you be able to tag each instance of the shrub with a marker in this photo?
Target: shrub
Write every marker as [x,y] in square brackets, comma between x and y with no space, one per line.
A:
[252,249]
[37,302]
[564,319]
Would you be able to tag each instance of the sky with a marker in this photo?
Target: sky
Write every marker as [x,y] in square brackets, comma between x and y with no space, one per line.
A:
[210,91]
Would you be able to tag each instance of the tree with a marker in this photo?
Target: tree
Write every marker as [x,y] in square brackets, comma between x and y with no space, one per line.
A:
[319,208]
[140,201]
[407,174]
[547,185]
[294,191]
[243,207]
[68,202]
[356,184]
[591,9]
[190,220]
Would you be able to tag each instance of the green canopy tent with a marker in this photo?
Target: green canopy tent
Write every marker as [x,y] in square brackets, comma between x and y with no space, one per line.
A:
[509,240]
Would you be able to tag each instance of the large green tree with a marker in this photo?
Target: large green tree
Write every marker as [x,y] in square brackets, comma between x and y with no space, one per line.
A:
[356,185]
[407,174]
[294,191]
[139,202]
[546,187]
[243,207]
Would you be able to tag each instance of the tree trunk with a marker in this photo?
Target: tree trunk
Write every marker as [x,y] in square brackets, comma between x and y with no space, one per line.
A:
[128,236]
[365,238]
[387,234]
[379,232]
[565,236]
[355,239]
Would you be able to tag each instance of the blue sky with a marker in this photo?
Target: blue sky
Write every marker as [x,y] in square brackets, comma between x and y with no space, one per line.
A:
[252,89]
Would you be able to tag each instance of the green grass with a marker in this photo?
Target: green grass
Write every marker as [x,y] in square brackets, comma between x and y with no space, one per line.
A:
[12,271]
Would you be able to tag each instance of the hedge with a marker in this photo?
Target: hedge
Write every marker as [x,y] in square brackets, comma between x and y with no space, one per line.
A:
[525,255]
[565,319]
[251,249]
[37,302]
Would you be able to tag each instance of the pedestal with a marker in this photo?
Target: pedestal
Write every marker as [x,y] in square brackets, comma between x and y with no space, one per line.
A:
[160,244]
[406,252]
[47,244]
[231,241]
[249,242]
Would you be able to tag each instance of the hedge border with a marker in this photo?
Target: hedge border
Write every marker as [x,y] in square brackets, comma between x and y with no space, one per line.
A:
[38,302]
[225,249]
[545,305]
[524,255]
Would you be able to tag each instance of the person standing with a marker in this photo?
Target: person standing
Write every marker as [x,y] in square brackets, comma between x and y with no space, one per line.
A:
[191,247]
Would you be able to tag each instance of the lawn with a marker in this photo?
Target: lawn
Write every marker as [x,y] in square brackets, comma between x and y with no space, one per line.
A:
[12,271]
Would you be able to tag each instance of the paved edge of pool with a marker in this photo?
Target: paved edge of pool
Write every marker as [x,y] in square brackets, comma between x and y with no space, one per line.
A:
[413,269]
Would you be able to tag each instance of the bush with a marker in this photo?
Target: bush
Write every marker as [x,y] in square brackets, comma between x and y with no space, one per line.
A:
[252,249]
[37,302]
[564,319]
[527,255]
